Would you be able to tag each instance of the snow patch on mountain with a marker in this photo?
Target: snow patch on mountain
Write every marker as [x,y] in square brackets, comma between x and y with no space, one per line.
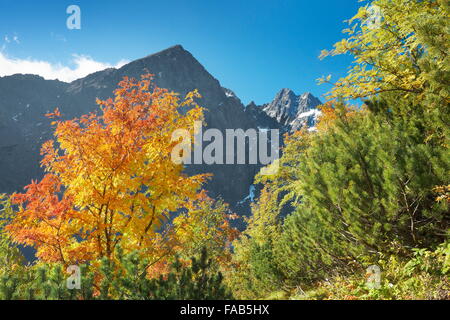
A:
[251,195]
[293,111]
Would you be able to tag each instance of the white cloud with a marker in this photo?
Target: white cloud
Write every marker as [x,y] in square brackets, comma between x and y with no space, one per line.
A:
[7,39]
[16,39]
[84,65]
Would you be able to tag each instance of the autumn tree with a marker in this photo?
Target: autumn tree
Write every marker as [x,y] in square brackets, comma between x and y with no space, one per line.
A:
[396,50]
[398,55]
[207,224]
[110,179]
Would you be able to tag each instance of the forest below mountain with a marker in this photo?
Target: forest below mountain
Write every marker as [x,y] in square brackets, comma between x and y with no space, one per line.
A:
[358,208]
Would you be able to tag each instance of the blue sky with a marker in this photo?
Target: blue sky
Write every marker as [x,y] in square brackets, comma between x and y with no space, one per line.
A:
[254,47]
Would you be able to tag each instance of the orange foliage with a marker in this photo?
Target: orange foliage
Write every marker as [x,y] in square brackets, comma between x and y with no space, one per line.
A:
[331,111]
[110,179]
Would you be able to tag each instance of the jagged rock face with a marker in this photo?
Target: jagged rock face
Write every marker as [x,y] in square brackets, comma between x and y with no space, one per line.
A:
[263,121]
[293,111]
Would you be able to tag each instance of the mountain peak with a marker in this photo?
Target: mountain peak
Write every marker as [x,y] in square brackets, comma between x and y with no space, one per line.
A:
[174,68]
[291,110]
[286,92]
[308,98]
[172,49]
